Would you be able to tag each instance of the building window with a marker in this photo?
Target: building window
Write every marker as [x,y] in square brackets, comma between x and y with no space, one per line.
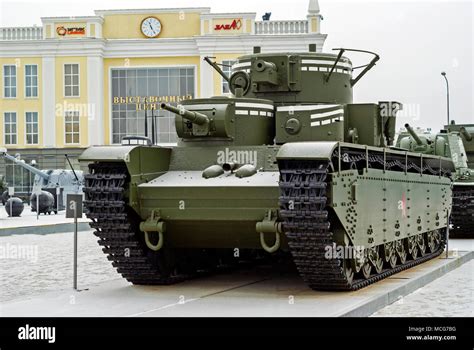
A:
[31,128]
[71,80]
[9,81]
[71,127]
[10,128]
[31,80]
[226,68]
[169,85]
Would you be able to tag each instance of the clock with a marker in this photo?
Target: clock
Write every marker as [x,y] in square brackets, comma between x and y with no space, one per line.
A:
[151,27]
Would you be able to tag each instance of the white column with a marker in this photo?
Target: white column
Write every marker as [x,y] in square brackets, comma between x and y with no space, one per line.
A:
[48,92]
[95,94]
[98,30]
[206,78]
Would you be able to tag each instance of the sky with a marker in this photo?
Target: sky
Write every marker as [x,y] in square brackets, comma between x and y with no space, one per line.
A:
[416,41]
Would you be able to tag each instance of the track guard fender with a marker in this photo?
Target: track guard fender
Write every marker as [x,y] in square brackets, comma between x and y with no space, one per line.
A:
[307,150]
[145,161]
[107,154]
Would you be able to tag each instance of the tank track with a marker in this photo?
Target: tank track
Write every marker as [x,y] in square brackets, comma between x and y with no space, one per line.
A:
[116,226]
[462,216]
[307,226]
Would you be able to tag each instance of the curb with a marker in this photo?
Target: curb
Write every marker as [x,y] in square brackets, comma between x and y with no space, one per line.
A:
[44,229]
[380,301]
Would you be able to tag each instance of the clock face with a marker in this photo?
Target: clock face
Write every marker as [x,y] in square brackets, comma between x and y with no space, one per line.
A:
[151,27]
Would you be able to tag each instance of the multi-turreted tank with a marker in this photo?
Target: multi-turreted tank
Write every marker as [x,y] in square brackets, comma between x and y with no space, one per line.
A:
[287,164]
[455,142]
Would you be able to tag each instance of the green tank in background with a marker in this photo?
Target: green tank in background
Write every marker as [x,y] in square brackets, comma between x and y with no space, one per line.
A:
[454,142]
[462,216]
[287,165]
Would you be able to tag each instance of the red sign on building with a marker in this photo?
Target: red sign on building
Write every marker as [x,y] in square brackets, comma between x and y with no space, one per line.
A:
[235,25]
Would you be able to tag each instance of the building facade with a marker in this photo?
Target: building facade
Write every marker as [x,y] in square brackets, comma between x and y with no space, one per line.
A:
[81,81]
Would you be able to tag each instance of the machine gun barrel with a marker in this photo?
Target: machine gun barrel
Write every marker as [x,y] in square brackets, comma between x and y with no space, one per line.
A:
[261,65]
[465,133]
[413,134]
[24,165]
[193,117]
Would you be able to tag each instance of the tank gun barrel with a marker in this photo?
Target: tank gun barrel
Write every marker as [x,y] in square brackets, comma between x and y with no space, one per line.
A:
[413,134]
[24,165]
[193,117]
[465,133]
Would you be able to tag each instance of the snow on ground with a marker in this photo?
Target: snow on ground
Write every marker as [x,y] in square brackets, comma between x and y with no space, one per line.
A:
[32,264]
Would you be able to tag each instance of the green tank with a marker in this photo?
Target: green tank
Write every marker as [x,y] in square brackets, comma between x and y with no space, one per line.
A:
[462,216]
[453,142]
[286,165]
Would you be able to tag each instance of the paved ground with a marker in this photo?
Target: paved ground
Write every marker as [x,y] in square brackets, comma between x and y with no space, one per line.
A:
[449,296]
[253,292]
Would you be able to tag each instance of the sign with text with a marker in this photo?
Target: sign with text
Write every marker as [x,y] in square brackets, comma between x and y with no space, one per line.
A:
[74,206]
[148,102]
[229,25]
[70,30]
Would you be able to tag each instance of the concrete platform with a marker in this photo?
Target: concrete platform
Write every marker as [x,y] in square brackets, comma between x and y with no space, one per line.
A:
[28,223]
[255,292]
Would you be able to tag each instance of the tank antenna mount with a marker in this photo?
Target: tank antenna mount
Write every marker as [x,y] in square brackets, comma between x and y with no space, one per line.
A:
[341,52]
[367,67]
[217,68]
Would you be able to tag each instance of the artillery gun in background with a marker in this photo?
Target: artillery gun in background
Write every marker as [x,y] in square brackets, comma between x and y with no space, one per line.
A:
[287,164]
[452,143]
[46,182]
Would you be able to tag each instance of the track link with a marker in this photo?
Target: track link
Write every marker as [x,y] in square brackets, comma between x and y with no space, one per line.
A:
[116,226]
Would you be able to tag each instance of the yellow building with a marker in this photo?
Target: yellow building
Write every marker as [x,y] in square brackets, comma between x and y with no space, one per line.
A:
[81,81]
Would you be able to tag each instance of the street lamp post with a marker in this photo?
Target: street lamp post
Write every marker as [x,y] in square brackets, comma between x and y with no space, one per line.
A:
[447,93]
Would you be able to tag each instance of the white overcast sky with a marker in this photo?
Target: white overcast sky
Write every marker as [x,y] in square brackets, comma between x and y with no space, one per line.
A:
[415,39]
